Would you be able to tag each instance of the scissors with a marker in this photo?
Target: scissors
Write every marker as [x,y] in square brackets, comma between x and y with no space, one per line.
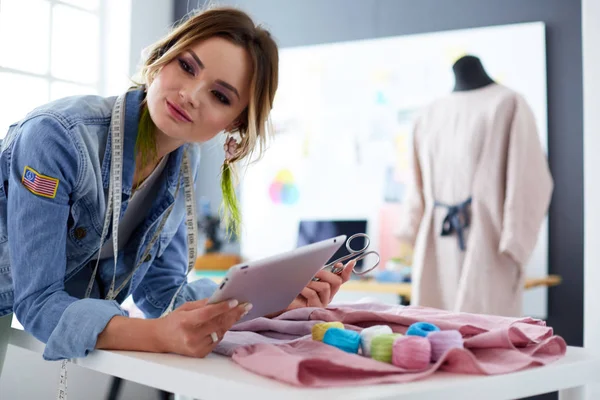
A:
[354,255]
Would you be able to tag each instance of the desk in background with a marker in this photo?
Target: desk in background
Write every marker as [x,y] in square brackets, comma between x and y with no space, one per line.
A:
[403,290]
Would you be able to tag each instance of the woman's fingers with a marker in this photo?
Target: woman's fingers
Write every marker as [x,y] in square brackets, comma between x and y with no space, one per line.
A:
[202,314]
[311,296]
[347,272]
[201,337]
[323,290]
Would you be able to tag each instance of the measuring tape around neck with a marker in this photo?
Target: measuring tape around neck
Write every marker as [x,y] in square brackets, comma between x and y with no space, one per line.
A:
[113,210]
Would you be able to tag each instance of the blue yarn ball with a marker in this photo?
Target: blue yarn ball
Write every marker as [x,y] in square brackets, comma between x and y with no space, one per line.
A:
[343,339]
[421,329]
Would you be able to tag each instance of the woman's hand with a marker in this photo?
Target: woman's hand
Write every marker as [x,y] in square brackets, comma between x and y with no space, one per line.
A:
[195,328]
[320,294]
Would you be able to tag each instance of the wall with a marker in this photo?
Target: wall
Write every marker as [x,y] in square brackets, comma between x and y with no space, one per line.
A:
[591,124]
[151,19]
[295,23]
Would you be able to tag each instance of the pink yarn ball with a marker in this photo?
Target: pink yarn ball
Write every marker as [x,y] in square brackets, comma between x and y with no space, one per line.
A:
[442,341]
[411,352]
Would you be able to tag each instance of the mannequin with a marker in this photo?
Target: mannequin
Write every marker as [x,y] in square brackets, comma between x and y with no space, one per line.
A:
[469,74]
[481,189]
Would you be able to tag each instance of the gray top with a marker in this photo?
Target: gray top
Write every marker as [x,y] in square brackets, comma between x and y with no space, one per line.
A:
[139,204]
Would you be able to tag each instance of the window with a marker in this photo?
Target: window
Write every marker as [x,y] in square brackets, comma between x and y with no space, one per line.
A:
[51,49]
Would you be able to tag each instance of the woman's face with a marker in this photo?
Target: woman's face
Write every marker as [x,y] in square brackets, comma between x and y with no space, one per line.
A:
[201,92]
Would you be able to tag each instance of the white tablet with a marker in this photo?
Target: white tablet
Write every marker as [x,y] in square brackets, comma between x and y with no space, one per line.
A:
[272,283]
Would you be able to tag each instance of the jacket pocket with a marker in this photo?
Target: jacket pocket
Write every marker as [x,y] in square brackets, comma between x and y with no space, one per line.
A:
[83,230]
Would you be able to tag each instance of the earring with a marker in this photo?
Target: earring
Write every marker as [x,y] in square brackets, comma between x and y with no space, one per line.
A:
[232,142]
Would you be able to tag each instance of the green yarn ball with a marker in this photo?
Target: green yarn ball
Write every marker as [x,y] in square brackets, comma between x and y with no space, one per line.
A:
[381,347]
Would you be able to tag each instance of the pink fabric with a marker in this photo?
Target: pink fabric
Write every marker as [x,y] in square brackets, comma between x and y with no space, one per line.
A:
[282,348]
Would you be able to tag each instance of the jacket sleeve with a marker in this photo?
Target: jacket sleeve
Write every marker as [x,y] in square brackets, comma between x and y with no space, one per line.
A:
[158,286]
[528,186]
[44,171]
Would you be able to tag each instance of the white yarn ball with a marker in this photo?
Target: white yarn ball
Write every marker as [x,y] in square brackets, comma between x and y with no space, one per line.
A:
[367,335]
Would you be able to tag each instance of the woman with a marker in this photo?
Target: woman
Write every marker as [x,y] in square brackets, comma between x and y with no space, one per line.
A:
[216,72]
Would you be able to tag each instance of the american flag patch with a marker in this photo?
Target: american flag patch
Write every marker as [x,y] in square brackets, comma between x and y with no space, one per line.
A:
[39,184]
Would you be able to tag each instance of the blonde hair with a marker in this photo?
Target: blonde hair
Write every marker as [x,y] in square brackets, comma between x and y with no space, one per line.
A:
[253,125]
[236,26]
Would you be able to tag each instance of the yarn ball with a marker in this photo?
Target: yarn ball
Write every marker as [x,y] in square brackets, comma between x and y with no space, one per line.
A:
[343,339]
[318,330]
[381,347]
[442,341]
[411,352]
[421,329]
[367,335]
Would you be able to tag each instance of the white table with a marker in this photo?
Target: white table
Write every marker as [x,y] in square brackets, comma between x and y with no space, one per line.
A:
[218,378]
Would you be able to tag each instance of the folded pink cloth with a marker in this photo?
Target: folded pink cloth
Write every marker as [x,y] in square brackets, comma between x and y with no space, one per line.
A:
[281,348]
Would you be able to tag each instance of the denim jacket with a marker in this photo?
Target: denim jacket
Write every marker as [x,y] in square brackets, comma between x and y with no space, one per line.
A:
[55,170]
